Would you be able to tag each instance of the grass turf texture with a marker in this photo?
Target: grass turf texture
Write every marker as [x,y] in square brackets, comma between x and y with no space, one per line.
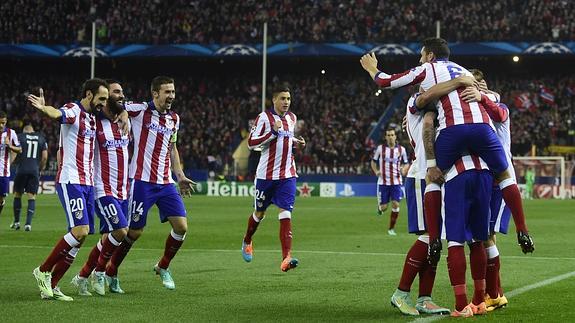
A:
[349,267]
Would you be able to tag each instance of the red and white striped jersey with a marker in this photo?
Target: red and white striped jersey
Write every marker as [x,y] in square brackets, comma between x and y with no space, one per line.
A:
[77,140]
[499,113]
[414,118]
[276,160]
[5,151]
[467,162]
[390,159]
[111,161]
[154,134]
[451,109]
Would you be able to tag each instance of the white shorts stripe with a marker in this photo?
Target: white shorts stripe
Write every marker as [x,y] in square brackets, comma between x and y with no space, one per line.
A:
[103,212]
[499,216]
[419,203]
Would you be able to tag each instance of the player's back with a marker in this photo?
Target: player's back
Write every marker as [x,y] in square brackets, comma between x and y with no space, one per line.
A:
[5,159]
[32,146]
[452,110]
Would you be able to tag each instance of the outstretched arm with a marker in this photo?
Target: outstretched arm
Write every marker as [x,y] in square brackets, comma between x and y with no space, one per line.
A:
[413,76]
[39,103]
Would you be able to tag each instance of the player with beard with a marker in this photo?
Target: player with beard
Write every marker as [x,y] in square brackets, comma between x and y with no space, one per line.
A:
[155,132]
[75,179]
[111,184]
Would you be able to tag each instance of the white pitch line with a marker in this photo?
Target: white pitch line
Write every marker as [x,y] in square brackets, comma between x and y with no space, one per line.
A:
[510,294]
[324,252]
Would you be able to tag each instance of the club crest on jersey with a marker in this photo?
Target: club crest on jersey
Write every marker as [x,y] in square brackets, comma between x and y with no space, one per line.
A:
[79,214]
[136,217]
[160,129]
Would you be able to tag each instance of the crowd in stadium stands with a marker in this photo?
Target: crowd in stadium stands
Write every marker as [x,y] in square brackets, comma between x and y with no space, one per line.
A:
[336,114]
[205,21]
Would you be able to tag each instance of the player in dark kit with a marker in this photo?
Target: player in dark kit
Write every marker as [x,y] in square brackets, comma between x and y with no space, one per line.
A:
[30,163]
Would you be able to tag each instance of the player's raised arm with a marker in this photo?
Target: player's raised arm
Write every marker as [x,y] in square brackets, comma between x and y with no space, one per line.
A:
[39,103]
[393,81]
[261,132]
[441,89]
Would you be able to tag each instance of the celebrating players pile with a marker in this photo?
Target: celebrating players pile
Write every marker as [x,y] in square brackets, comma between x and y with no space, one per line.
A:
[464,167]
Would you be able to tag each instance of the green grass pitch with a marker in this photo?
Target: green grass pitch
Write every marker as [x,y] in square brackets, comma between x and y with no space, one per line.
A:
[349,267]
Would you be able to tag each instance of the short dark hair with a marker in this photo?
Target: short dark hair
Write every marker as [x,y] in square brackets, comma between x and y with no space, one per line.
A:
[3,114]
[158,81]
[93,85]
[437,46]
[278,89]
[112,81]
[478,74]
[390,129]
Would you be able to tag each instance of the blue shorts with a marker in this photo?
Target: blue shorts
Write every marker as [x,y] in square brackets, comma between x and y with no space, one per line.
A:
[78,203]
[4,185]
[466,210]
[386,193]
[112,213]
[475,138]
[500,213]
[280,192]
[414,193]
[144,195]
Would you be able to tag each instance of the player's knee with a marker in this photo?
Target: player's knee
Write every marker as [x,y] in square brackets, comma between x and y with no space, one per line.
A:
[30,196]
[180,227]
[120,234]
[502,176]
[260,214]
[134,234]
[382,207]
[285,214]
[17,195]
[80,232]
[395,206]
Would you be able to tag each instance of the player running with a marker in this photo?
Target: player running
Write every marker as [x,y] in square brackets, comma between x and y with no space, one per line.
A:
[27,180]
[75,180]
[111,179]
[276,173]
[155,134]
[387,165]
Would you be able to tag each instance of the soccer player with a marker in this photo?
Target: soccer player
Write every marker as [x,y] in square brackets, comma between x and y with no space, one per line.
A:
[30,163]
[416,259]
[500,213]
[9,144]
[386,164]
[155,134]
[75,180]
[111,179]
[462,125]
[529,181]
[276,173]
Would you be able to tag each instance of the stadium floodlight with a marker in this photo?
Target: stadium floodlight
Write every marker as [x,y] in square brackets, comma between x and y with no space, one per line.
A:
[515,58]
